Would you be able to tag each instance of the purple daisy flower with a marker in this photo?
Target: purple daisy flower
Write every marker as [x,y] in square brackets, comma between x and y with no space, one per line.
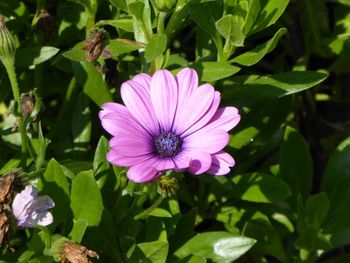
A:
[168,123]
[31,209]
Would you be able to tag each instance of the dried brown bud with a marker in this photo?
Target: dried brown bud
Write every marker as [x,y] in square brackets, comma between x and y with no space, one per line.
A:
[76,253]
[8,183]
[4,225]
[28,102]
[95,44]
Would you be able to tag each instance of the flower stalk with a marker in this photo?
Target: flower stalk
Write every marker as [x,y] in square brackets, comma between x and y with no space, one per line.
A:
[146,212]
[7,56]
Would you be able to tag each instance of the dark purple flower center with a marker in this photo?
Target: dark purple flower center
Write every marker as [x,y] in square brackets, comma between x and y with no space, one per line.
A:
[167,144]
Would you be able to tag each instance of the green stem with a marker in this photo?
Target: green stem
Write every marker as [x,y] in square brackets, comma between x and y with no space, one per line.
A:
[161,20]
[91,13]
[145,213]
[144,29]
[9,64]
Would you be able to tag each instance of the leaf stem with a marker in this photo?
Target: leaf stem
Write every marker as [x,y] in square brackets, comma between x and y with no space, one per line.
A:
[145,213]
[160,24]
[9,64]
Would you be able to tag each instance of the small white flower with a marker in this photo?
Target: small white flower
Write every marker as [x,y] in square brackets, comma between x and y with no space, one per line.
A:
[31,209]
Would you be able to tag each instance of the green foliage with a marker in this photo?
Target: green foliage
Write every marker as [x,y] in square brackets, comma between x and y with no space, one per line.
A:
[283,64]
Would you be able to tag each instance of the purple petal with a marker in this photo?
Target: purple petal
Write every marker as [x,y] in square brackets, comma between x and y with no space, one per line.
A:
[200,163]
[22,202]
[138,102]
[207,116]
[143,79]
[224,119]
[42,203]
[125,126]
[41,218]
[187,80]
[210,141]
[196,106]
[117,159]
[196,162]
[150,169]
[131,145]
[164,96]
[221,163]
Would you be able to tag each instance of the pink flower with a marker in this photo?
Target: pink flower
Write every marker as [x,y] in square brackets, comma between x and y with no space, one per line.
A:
[31,209]
[168,123]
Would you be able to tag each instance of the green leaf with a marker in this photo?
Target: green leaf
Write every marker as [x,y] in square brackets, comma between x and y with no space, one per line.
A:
[155,47]
[78,230]
[268,239]
[251,16]
[278,85]
[254,55]
[312,240]
[231,30]
[81,126]
[155,252]
[316,210]
[122,23]
[92,82]
[260,187]
[336,184]
[121,46]
[218,246]
[205,15]
[270,11]
[211,71]
[29,56]
[86,200]
[160,212]
[136,9]
[120,4]
[296,163]
[140,9]
[54,184]
[76,53]
[85,3]
[100,163]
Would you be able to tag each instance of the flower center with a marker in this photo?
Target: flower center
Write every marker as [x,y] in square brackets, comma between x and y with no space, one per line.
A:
[167,144]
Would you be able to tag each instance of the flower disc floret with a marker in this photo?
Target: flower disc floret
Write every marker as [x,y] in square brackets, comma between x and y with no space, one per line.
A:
[168,123]
[167,144]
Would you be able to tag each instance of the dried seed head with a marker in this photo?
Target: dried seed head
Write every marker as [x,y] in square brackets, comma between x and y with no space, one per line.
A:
[76,253]
[7,44]
[95,44]
[28,102]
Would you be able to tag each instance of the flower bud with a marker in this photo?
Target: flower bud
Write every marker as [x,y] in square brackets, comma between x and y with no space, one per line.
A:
[165,5]
[7,45]
[167,186]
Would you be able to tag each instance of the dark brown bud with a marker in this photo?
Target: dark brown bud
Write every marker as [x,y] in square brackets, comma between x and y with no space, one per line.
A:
[95,44]
[46,25]
[76,253]
[10,182]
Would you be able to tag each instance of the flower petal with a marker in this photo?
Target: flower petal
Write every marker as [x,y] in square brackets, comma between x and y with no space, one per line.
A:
[41,218]
[22,202]
[221,163]
[196,106]
[187,81]
[210,141]
[150,169]
[196,162]
[200,163]
[164,96]
[131,145]
[42,203]
[138,102]
[224,119]
[206,117]
[114,157]
[143,79]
